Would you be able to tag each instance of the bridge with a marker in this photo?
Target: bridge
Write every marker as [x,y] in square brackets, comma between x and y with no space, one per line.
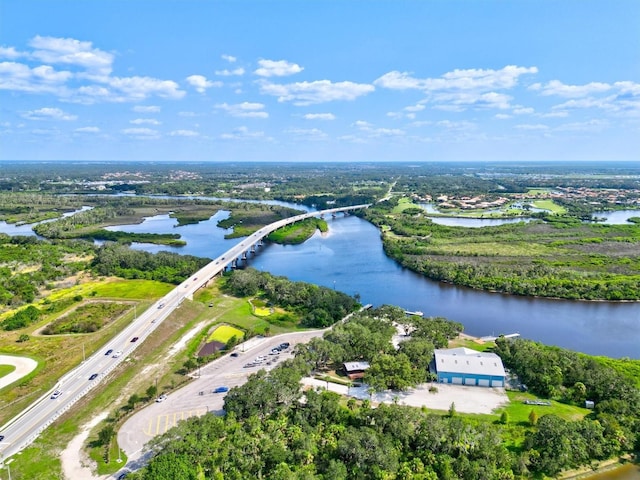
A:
[23,429]
[241,252]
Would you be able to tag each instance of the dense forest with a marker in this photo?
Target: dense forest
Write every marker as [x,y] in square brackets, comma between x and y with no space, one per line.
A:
[274,430]
[560,258]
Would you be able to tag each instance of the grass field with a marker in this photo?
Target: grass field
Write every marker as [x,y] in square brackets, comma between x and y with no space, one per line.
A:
[403,204]
[6,369]
[549,205]
[519,411]
[224,333]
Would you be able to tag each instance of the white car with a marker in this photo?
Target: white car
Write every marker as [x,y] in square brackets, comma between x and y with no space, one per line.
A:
[161,398]
[117,354]
[56,394]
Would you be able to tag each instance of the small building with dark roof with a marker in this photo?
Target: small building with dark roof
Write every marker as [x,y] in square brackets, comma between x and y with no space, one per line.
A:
[210,348]
[355,370]
[463,366]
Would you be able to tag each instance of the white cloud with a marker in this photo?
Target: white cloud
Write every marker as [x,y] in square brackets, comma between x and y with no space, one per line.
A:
[320,91]
[523,110]
[319,116]
[558,114]
[243,133]
[72,52]
[532,127]
[200,83]
[460,101]
[139,88]
[414,108]
[42,79]
[87,130]
[277,68]
[502,116]
[469,79]
[556,87]
[229,58]
[187,114]
[371,131]
[309,133]
[184,133]
[145,121]
[460,125]
[146,109]
[594,125]
[10,52]
[49,114]
[244,110]
[142,133]
[229,73]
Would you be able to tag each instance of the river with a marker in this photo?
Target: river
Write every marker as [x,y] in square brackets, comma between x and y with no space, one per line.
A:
[350,258]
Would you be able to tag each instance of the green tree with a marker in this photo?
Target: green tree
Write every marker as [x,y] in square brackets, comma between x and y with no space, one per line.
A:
[152,391]
[533,417]
[392,372]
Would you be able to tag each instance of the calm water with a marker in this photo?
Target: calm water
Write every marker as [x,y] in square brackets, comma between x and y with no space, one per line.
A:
[617,217]
[626,472]
[350,258]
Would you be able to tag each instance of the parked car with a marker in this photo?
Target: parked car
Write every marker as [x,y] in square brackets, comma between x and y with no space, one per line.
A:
[109,352]
[235,354]
[93,376]
[161,398]
[222,389]
[56,394]
[284,345]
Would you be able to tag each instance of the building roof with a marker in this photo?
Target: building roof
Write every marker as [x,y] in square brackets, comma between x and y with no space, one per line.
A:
[352,366]
[465,360]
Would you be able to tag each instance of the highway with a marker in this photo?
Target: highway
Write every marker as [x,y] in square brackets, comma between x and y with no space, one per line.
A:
[23,429]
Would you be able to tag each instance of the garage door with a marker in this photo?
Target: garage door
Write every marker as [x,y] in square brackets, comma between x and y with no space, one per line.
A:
[497,383]
[457,380]
[483,383]
[469,381]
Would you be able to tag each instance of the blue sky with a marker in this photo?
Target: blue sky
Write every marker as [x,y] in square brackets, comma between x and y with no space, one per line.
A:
[320,80]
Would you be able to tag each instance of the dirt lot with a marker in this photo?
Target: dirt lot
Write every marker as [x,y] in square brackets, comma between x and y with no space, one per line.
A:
[466,399]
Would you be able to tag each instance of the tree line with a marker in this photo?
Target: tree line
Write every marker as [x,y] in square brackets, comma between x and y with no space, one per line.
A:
[274,430]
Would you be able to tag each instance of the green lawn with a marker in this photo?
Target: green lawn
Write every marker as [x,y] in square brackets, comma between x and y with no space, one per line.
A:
[403,204]
[224,333]
[6,369]
[549,205]
[519,411]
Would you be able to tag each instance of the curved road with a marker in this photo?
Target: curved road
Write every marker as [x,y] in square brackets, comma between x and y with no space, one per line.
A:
[23,429]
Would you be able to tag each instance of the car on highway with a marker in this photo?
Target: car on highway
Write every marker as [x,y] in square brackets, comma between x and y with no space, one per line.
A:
[56,394]
[221,389]
[134,339]
[93,376]
[109,352]
[195,278]
[161,306]
[117,354]
[1,437]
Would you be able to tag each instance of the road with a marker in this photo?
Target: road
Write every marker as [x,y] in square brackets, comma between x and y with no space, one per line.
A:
[23,429]
[188,402]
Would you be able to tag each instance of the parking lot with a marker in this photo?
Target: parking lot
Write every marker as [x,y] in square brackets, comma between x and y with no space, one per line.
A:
[205,394]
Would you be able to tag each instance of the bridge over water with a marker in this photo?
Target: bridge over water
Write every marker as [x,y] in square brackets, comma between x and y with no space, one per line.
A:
[25,427]
[249,245]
